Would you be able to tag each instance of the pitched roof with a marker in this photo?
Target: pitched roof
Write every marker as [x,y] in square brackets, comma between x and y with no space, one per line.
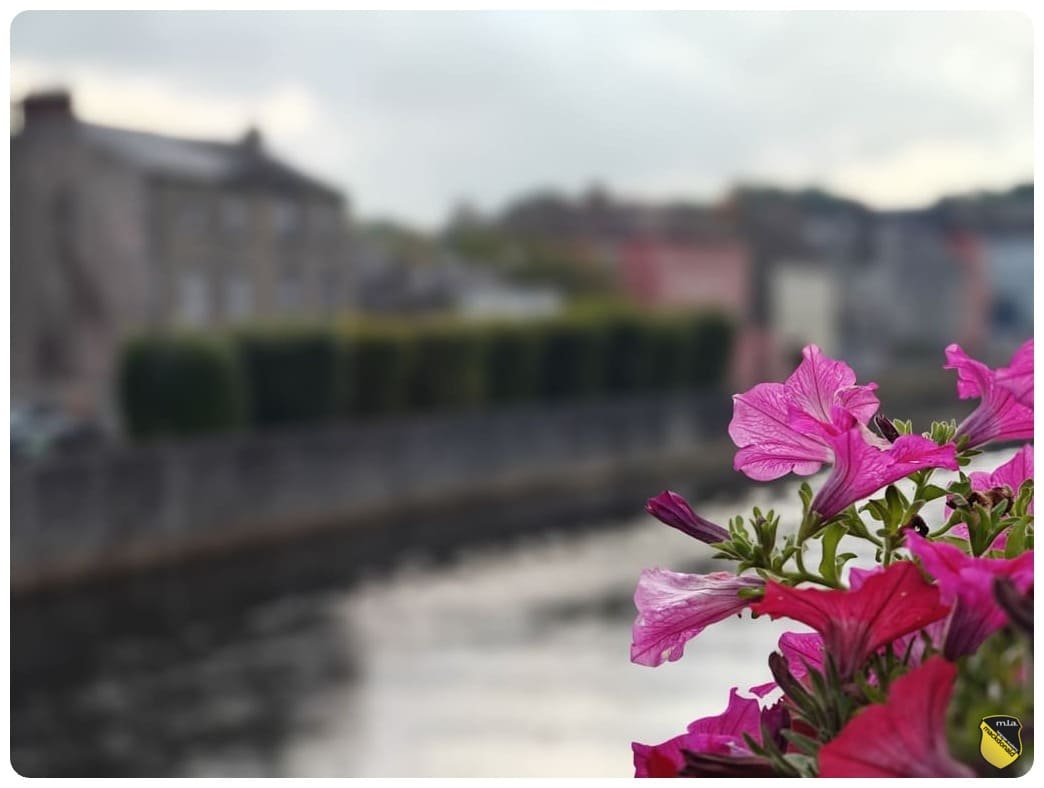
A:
[244,163]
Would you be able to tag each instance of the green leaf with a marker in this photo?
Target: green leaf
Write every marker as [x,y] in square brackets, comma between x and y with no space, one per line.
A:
[828,564]
[805,493]
[877,510]
[842,560]
[1016,544]
[897,502]
[931,491]
[803,743]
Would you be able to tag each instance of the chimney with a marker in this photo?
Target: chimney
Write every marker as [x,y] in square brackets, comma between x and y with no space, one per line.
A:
[47,107]
[251,141]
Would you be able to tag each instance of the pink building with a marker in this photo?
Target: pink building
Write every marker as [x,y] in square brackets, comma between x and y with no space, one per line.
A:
[700,275]
[715,275]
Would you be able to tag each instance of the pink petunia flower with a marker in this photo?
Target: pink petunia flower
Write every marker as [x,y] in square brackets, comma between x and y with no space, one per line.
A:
[854,624]
[802,650]
[966,584]
[861,468]
[1011,474]
[762,425]
[674,607]
[673,510]
[1001,416]
[718,735]
[1017,377]
[903,737]
[912,641]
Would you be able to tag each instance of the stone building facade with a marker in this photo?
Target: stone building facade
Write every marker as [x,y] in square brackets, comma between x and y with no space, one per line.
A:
[116,231]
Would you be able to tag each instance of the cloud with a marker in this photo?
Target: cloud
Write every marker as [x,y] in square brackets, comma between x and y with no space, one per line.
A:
[411,111]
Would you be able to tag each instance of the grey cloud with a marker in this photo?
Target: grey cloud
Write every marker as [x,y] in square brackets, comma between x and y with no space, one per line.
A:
[426,107]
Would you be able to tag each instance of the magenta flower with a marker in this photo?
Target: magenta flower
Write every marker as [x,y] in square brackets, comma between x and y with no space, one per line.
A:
[673,510]
[802,651]
[674,607]
[1011,475]
[861,469]
[1017,377]
[903,737]
[721,735]
[855,623]
[763,425]
[966,584]
[1001,416]
[911,641]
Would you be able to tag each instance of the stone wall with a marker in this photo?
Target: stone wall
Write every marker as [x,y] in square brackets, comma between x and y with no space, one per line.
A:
[131,507]
[424,482]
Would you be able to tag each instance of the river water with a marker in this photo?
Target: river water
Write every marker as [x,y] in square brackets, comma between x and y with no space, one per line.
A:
[506,661]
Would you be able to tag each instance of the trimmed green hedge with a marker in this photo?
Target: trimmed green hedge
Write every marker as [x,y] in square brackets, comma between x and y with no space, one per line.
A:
[446,369]
[512,362]
[293,375]
[377,362]
[180,384]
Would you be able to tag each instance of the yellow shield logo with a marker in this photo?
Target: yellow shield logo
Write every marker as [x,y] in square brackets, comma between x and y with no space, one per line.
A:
[1001,742]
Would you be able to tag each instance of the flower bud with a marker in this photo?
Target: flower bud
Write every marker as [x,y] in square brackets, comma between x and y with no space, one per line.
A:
[886,428]
[673,510]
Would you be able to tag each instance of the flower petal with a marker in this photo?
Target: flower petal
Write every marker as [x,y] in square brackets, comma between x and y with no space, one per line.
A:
[903,737]
[1017,377]
[856,623]
[721,734]
[674,607]
[966,583]
[769,446]
[819,382]
[861,469]
[1000,415]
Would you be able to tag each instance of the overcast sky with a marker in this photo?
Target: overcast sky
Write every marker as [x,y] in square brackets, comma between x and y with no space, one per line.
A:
[411,112]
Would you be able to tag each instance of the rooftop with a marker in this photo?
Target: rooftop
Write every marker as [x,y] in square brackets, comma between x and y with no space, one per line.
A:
[239,163]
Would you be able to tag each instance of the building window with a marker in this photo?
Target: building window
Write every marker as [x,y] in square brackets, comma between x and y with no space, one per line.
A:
[193,299]
[192,217]
[326,221]
[235,215]
[289,290]
[286,218]
[331,289]
[238,298]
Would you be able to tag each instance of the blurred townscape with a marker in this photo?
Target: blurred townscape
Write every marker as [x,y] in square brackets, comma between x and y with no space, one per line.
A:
[251,425]
[118,231]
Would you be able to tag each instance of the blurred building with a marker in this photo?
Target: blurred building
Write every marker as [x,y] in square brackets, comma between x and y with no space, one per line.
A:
[436,280]
[806,305]
[708,274]
[114,231]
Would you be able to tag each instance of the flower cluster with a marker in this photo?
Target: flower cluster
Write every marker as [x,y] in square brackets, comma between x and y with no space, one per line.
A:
[868,688]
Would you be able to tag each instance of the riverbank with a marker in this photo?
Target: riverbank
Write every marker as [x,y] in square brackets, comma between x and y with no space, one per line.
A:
[327,501]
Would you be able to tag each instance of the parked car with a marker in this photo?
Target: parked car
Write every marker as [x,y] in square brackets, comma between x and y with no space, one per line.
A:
[39,429]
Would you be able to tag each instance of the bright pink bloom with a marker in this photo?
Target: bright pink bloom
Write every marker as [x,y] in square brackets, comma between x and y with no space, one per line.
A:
[802,650]
[936,631]
[903,737]
[1017,377]
[1000,416]
[966,584]
[673,510]
[854,624]
[674,607]
[1011,474]
[719,735]
[861,469]
[762,426]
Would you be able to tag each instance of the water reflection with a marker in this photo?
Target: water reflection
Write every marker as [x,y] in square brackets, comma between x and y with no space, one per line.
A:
[506,661]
